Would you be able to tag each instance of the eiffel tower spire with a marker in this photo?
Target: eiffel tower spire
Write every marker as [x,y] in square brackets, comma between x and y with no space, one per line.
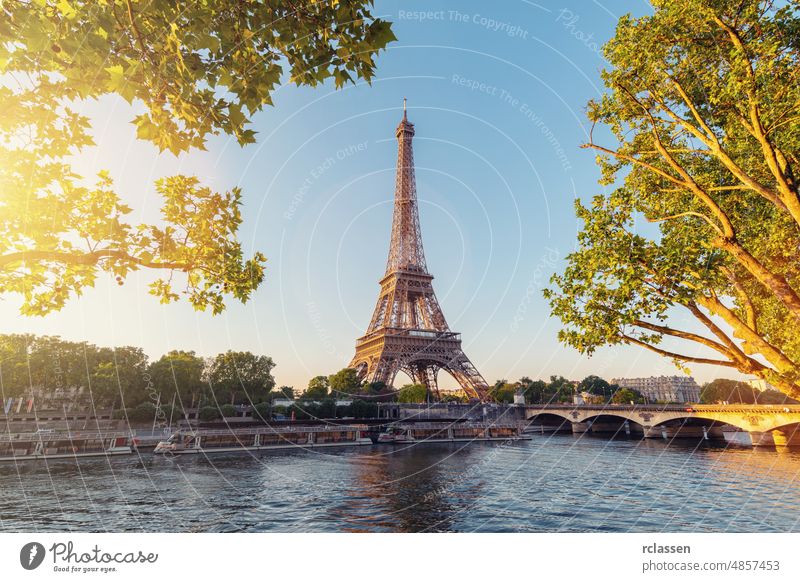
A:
[405,252]
[408,331]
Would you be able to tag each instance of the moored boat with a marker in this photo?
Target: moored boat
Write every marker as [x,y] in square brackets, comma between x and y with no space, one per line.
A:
[194,441]
[49,444]
[440,432]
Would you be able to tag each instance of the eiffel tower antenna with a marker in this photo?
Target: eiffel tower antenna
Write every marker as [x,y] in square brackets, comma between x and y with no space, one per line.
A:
[408,331]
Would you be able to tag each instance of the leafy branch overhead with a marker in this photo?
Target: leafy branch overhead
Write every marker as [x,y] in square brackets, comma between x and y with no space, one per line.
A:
[193,69]
[704,102]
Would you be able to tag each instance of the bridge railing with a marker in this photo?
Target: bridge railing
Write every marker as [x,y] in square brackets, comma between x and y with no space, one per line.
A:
[688,407]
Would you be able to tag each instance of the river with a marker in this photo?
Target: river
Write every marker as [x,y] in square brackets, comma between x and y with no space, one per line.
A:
[553,483]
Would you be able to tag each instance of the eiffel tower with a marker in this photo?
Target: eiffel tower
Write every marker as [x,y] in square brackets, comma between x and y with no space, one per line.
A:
[408,331]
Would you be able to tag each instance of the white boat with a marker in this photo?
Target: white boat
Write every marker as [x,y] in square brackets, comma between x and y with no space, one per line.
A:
[392,436]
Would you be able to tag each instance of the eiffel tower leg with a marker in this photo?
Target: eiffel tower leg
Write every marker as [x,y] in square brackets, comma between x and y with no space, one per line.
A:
[384,371]
[431,384]
[468,377]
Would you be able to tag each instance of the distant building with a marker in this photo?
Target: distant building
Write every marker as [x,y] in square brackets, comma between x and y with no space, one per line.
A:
[663,388]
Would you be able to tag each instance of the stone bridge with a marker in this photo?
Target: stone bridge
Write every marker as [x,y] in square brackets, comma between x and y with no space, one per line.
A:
[766,424]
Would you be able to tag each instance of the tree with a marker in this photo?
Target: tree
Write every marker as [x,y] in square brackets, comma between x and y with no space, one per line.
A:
[363,409]
[375,387]
[228,411]
[559,389]
[121,377]
[49,366]
[597,386]
[413,393]
[345,381]
[262,411]
[449,397]
[774,397]
[703,102]
[327,408]
[503,391]
[190,69]
[179,373]
[143,413]
[724,390]
[283,392]
[627,396]
[304,410]
[317,388]
[208,413]
[534,390]
[240,377]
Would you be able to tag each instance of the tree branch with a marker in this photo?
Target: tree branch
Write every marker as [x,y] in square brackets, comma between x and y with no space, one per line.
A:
[676,356]
[744,297]
[90,258]
[716,149]
[788,196]
[775,356]
[681,214]
[637,161]
[684,335]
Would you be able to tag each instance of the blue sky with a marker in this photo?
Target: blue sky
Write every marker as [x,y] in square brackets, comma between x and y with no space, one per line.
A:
[497,92]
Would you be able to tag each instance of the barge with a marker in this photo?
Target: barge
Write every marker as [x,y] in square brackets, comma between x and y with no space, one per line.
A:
[446,432]
[49,444]
[194,441]
[187,441]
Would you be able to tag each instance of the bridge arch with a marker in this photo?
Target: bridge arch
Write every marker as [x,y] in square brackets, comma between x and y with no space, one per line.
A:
[614,421]
[550,415]
[684,420]
[550,422]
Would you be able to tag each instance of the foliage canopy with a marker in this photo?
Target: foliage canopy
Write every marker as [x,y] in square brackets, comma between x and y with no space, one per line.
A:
[703,99]
[190,70]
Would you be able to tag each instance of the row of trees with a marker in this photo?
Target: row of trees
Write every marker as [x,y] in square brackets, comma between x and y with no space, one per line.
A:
[723,390]
[559,389]
[345,384]
[50,367]
[124,377]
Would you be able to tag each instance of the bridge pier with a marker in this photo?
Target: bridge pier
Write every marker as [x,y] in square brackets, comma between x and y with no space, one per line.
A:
[618,428]
[779,437]
[786,437]
[603,426]
[581,427]
[762,439]
[714,433]
[653,432]
[684,432]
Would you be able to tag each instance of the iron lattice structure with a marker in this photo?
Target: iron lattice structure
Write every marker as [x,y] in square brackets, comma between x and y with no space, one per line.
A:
[408,331]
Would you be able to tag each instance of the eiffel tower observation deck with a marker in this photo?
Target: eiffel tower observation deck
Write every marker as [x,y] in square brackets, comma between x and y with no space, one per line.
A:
[408,331]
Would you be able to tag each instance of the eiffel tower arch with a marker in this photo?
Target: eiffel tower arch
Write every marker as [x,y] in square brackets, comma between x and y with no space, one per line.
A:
[408,332]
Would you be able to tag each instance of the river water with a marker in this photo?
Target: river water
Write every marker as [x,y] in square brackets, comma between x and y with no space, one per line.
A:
[552,483]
